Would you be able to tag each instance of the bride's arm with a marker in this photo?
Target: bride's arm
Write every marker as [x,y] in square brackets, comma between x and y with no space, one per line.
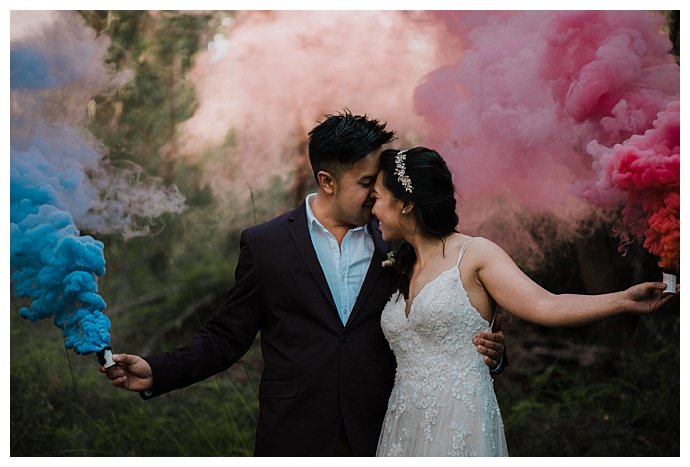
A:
[520,295]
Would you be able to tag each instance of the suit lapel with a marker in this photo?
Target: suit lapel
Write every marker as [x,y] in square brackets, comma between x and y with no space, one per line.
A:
[300,235]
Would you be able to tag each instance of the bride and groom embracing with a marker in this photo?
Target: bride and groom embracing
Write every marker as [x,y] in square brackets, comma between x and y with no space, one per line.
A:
[360,358]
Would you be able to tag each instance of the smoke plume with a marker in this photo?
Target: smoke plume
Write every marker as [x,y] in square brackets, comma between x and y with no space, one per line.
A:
[522,104]
[60,180]
[562,113]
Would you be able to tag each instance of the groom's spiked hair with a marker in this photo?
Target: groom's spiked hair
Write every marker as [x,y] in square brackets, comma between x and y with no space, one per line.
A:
[343,139]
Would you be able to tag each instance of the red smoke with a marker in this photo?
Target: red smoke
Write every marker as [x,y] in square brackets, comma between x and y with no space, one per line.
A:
[646,169]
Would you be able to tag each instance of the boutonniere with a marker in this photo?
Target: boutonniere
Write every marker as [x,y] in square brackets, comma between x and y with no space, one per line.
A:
[389,262]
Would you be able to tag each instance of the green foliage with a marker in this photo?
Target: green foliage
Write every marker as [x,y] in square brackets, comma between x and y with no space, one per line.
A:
[630,407]
[140,118]
[151,280]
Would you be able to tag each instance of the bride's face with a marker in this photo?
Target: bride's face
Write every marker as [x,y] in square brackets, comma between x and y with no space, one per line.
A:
[389,211]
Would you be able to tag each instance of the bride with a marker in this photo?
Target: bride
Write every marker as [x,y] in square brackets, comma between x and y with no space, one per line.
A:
[443,402]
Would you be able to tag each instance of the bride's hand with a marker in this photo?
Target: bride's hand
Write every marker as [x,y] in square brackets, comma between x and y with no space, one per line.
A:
[647,297]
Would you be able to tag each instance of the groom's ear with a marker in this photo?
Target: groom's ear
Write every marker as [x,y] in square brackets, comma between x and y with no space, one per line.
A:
[326,181]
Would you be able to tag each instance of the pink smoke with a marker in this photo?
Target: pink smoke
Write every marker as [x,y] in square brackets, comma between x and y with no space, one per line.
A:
[523,105]
[519,115]
[275,74]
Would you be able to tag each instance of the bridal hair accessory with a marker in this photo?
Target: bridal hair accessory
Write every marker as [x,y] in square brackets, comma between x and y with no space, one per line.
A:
[400,171]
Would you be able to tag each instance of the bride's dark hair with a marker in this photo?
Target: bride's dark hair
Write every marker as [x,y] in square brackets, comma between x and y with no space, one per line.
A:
[433,194]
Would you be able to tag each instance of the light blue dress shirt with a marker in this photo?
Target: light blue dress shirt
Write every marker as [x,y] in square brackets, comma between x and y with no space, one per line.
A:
[344,266]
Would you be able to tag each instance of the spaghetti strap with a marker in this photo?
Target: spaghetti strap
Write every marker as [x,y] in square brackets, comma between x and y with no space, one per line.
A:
[462,251]
[457,265]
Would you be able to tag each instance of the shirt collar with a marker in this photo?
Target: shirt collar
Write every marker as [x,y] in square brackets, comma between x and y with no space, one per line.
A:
[313,222]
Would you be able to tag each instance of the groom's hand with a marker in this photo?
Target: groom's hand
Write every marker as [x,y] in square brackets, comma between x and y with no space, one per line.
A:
[491,344]
[131,372]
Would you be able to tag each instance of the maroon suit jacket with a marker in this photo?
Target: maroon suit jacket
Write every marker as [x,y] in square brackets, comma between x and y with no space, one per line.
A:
[318,373]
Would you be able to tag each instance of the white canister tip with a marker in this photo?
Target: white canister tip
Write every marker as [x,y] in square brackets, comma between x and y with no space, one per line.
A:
[670,281]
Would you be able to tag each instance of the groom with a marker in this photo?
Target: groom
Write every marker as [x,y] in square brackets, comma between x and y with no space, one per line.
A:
[312,283]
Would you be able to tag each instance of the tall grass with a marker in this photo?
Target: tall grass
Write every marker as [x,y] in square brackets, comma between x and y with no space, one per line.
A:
[60,405]
[629,405]
[624,402]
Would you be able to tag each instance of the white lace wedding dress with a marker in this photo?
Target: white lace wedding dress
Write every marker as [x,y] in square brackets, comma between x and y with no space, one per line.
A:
[443,402]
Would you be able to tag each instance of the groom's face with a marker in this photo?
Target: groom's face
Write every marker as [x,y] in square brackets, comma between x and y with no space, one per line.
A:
[353,190]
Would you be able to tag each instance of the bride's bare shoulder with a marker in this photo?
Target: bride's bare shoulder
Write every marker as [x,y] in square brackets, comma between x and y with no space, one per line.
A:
[482,249]
[478,242]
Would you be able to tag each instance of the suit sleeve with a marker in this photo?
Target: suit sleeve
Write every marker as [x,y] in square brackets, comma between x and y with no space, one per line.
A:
[223,340]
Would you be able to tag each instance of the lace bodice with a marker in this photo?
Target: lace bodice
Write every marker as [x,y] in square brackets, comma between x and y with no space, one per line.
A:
[443,401]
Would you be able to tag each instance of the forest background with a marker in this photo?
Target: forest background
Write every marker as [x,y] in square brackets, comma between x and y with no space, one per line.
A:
[609,389]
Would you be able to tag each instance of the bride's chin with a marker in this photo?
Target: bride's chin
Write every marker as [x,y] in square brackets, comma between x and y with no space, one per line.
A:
[387,236]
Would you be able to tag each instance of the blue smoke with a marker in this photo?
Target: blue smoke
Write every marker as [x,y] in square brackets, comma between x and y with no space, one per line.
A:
[52,265]
[50,262]
[56,268]
[61,181]
[27,69]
